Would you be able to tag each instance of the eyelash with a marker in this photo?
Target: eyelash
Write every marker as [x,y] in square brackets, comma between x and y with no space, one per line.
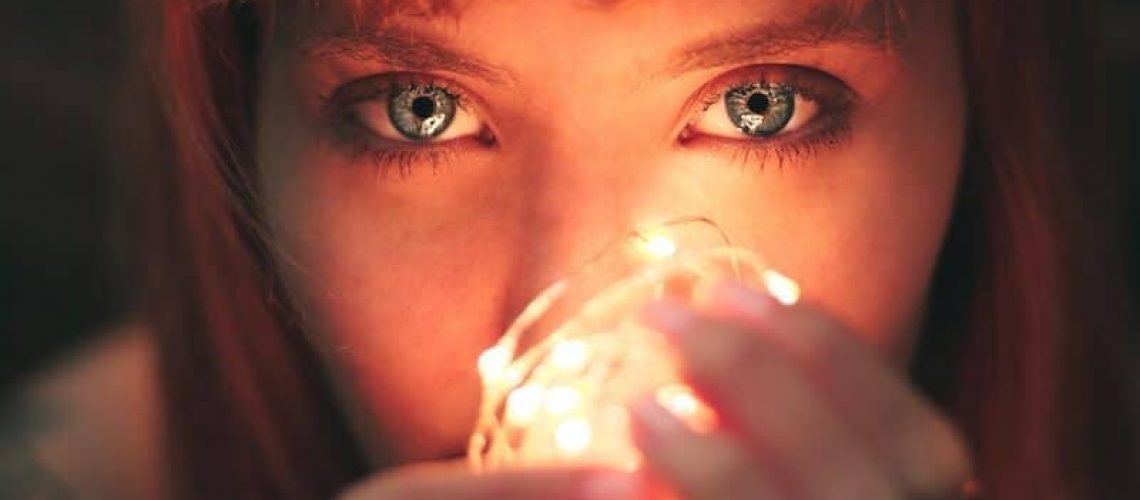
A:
[828,129]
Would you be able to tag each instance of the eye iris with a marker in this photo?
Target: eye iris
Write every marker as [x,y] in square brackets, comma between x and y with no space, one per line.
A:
[760,110]
[421,112]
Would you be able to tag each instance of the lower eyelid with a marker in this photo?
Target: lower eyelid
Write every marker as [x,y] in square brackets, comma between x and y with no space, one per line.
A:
[408,157]
[832,128]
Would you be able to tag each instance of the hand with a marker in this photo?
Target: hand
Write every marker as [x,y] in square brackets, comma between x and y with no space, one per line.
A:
[454,481]
[806,411]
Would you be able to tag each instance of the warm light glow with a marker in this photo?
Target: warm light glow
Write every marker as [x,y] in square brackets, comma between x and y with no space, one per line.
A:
[493,361]
[681,402]
[781,287]
[523,404]
[569,355]
[678,399]
[659,246]
[573,436]
[562,400]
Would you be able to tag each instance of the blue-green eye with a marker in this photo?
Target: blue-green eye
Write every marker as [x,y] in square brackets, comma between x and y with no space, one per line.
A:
[764,105]
[760,109]
[405,112]
[421,112]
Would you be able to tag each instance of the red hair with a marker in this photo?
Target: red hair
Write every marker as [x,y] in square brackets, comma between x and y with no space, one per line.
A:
[1026,332]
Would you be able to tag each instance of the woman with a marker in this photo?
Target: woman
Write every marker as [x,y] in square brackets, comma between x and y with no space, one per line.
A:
[361,194]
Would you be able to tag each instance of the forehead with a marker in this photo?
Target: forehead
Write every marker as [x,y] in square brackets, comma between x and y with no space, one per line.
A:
[368,14]
[504,38]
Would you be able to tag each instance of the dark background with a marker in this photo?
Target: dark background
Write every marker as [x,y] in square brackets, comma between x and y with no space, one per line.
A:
[58,102]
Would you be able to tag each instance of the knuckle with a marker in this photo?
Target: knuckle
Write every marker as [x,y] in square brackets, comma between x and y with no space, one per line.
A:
[820,340]
[742,353]
[724,469]
[732,352]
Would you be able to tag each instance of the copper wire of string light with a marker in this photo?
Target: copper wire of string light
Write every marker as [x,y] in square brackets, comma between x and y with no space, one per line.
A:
[556,383]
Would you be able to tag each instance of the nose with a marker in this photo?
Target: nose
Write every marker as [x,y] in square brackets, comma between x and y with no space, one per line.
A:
[580,193]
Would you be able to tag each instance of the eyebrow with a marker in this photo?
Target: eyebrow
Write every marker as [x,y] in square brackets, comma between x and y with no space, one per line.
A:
[878,25]
[403,51]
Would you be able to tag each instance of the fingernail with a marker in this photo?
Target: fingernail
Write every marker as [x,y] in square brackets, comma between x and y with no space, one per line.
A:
[652,422]
[606,485]
[747,302]
[667,316]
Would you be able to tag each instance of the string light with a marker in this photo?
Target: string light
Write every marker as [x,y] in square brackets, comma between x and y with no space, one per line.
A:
[523,404]
[659,246]
[569,355]
[573,436]
[781,287]
[561,400]
[680,400]
[493,362]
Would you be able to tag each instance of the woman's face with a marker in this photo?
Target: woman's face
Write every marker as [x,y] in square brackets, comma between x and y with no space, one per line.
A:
[425,174]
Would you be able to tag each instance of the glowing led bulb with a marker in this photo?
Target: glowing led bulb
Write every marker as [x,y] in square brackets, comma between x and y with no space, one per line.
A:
[781,287]
[523,404]
[573,436]
[569,355]
[659,246]
[562,400]
[493,362]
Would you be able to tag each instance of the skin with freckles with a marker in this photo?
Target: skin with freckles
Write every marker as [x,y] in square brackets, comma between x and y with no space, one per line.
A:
[573,122]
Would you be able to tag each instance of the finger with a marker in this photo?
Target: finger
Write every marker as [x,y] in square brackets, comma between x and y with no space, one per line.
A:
[698,466]
[904,429]
[765,398]
[443,482]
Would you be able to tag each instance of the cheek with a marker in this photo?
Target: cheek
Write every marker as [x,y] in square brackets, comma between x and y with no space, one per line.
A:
[865,241]
[401,314]
[863,229]
[400,292]
[401,301]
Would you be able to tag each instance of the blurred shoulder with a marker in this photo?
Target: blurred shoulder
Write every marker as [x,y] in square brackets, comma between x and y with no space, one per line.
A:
[89,426]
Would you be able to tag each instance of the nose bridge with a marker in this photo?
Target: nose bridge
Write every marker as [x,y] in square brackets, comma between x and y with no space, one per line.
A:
[582,189]
[583,192]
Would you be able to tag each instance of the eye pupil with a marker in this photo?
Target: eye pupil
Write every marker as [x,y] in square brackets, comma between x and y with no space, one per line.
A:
[423,107]
[758,103]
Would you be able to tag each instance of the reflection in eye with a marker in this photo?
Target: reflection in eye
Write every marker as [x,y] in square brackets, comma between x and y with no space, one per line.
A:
[421,112]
